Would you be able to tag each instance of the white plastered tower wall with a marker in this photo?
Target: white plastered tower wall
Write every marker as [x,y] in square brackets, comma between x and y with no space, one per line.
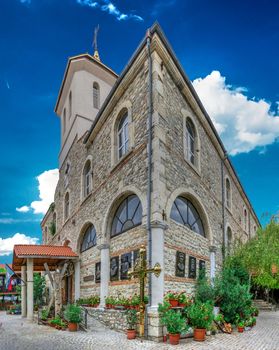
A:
[81,73]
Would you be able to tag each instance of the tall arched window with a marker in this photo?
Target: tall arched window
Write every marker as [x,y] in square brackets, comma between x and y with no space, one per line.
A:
[245,220]
[89,239]
[70,104]
[228,193]
[184,212]
[127,216]
[123,135]
[96,95]
[64,121]
[87,179]
[229,239]
[190,141]
[66,206]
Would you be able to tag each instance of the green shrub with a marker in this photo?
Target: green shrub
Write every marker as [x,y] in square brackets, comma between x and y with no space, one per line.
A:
[200,314]
[173,321]
[131,318]
[204,290]
[73,313]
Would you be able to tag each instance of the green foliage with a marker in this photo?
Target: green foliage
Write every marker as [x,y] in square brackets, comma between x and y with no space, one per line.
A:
[201,314]
[233,296]
[39,287]
[44,316]
[260,253]
[131,318]
[173,320]
[52,228]
[93,300]
[204,290]
[171,296]
[73,313]
[57,321]
[2,270]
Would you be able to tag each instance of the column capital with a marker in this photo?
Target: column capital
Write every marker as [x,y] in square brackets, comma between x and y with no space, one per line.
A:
[213,249]
[159,224]
[103,246]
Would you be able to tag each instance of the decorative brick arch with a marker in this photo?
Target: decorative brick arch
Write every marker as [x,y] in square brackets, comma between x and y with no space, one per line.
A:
[119,196]
[192,196]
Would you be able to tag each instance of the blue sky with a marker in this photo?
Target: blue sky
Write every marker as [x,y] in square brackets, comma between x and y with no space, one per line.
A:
[226,47]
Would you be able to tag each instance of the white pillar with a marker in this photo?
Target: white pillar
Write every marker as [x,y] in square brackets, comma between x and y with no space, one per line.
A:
[157,256]
[77,280]
[212,250]
[105,273]
[23,291]
[30,303]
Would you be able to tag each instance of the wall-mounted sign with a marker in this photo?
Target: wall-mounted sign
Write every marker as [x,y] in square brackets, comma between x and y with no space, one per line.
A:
[114,268]
[180,264]
[88,278]
[201,265]
[192,267]
[98,272]
[126,264]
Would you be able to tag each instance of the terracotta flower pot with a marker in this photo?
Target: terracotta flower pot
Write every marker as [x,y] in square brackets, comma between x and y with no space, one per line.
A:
[240,329]
[181,304]
[199,334]
[173,302]
[131,334]
[72,327]
[174,339]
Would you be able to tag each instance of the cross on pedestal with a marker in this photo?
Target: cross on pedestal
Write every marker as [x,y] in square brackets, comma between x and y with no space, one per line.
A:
[140,271]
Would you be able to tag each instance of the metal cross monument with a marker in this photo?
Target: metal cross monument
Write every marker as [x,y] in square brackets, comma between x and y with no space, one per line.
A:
[140,271]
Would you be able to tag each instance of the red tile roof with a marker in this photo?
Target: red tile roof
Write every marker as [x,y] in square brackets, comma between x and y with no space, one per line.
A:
[43,251]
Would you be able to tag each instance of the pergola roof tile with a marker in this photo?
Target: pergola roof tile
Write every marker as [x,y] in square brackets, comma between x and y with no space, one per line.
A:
[21,250]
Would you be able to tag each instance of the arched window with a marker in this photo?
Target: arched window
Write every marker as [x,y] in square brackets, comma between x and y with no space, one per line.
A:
[123,135]
[96,95]
[87,179]
[228,193]
[245,220]
[89,239]
[67,206]
[70,104]
[190,141]
[64,121]
[184,212]
[229,239]
[127,216]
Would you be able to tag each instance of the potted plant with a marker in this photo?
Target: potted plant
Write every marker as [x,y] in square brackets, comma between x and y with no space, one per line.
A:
[132,319]
[200,316]
[172,298]
[174,323]
[183,299]
[135,301]
[240,326]
[73,316]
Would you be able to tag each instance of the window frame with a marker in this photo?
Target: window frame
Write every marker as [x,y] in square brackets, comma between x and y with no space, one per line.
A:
[199,217]
[87,179]
[66,206]
[228,193]
[96,95]
[87,232]
[123,136]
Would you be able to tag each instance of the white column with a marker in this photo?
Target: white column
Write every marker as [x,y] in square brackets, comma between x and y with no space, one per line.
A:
[77,280]
[105,268]
[157,256]
[30,302]
[212,250]
[23,291]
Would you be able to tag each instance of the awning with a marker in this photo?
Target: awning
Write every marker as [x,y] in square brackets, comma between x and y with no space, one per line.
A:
[50,254]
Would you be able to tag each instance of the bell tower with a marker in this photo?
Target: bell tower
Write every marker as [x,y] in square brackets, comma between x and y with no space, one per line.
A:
[85,85]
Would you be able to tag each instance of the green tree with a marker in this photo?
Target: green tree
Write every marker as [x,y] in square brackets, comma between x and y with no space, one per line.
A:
[39,287]
[260,256]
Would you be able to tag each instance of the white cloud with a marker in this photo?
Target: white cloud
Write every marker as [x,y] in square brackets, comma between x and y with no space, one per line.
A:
[25,1]
[243,124]
[110,8]
[8,221]
[47,184]
[7,244]
[23,209]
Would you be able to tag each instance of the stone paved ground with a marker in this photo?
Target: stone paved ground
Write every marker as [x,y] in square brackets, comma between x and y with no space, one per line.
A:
[16,334]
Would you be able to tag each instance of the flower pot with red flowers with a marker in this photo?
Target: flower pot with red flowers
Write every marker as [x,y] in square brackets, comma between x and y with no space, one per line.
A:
[172,298]
[240,326]
[73,316]
[132,319]
[200,318]
[174,323]
[183,299]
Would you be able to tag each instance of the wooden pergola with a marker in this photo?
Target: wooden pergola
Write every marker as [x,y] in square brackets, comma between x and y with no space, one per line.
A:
[36,258]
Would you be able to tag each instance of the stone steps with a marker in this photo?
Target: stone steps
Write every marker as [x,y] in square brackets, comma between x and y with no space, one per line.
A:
[263,305]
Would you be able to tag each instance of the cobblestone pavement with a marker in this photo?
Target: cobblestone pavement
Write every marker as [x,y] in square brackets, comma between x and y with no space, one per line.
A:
[16,334]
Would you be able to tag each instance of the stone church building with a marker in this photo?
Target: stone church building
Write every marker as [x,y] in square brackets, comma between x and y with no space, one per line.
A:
[141,163]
